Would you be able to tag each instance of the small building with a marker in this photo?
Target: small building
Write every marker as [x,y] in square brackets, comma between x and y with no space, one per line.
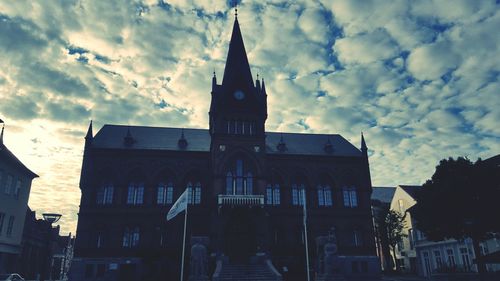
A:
[417,255]
[15,186]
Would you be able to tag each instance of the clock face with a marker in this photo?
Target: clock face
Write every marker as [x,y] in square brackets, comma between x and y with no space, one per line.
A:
[239,95]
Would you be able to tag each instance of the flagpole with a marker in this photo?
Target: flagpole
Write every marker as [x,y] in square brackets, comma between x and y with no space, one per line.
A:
[184,240]
[305,235]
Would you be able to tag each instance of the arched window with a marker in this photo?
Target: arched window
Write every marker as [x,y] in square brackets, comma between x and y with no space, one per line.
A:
[325,195]
[194,193]
[239,180]
[298,194]
[165,193]
[135,194]
[350,197]
[273,196]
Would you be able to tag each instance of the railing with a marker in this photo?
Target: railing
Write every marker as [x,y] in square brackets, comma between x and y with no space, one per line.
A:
[241,200]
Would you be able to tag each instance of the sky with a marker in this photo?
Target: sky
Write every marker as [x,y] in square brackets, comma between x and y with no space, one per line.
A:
[419,78]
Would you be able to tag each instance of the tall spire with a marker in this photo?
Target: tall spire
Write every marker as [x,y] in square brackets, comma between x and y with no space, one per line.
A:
[237,67]
[364,148]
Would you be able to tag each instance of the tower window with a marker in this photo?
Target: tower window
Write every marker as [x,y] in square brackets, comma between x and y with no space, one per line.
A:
[239,181]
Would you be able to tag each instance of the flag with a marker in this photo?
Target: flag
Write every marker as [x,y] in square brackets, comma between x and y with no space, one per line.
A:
[179,205]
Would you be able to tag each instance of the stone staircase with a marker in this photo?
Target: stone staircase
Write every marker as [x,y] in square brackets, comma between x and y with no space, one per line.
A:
[246,272]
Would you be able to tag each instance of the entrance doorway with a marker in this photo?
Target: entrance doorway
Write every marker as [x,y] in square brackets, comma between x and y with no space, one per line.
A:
[240,236]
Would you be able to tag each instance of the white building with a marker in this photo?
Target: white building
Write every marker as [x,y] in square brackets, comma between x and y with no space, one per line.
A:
[418,255]
[15,185]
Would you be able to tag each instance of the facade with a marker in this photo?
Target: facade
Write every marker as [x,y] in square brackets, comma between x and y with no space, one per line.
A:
[15,185]
[44,252]
[247,187]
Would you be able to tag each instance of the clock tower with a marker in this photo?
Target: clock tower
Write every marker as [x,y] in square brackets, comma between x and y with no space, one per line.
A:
[238,112]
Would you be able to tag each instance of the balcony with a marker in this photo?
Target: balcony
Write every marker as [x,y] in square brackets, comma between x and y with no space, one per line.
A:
[240,200]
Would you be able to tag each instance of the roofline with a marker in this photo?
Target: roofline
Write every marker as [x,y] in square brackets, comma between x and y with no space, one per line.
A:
[18,162]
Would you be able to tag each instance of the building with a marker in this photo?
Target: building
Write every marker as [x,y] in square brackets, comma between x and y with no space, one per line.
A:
[15,185]
[247,189]
[44,251]
[420,256]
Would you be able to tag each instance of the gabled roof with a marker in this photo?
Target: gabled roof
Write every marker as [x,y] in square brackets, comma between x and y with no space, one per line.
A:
[411,189]
[8,156]
[383,194]
[198,140]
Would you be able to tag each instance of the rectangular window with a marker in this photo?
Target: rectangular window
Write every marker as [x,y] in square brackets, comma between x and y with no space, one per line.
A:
[321,196]
[10,226]
[437,257]
[135,194]
[364,266]
[105,195]
[2,219]
[410,238]
[354,198]
[276,197]
[347,201]
[269,195]
[328,197]
[350,197]
[451,257]
[465,258]
[8,184]
[17,189]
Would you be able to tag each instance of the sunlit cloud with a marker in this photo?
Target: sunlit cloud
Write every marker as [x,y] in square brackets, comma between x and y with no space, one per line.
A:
[419,78]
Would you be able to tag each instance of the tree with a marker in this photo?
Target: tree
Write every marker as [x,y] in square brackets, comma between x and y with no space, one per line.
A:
[460,201]
[391,224]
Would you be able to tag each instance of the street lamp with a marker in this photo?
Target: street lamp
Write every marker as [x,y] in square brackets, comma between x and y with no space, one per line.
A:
[51,218]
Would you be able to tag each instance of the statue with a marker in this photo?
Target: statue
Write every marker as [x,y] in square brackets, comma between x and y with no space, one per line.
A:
[327,254]
[329,251]
[199,260]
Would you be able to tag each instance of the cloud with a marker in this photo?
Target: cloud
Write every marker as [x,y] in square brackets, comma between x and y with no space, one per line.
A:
[419,78]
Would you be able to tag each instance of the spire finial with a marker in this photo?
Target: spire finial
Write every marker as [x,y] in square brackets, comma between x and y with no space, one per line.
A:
[235,6]
[364,148]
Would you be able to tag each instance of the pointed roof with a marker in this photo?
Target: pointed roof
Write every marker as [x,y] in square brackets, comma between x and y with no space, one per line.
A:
[7,155]
[89,134]
[237,66]
[363,143]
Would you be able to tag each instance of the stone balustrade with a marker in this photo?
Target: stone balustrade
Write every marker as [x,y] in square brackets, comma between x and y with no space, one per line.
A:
[241,200]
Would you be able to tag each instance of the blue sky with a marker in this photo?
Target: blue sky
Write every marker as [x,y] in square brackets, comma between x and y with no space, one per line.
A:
[419,78]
